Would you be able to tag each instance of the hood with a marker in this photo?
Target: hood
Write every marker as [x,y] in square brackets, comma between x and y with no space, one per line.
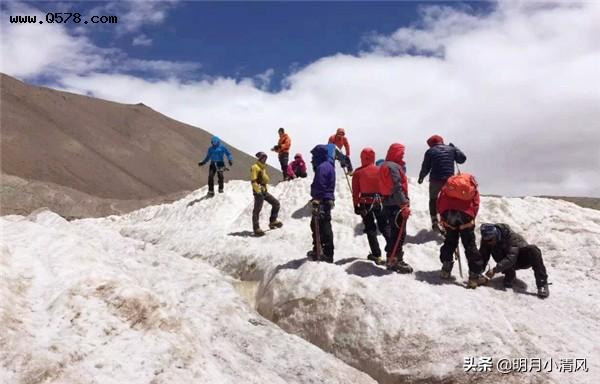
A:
[435,140]
[215,141]
[340,131]
[367,156]
[319,154]
[298,156]
[395,153]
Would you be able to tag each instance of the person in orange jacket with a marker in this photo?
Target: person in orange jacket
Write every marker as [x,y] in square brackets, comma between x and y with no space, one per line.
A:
[366,197]
[340,140]
[458,205]
[283,150]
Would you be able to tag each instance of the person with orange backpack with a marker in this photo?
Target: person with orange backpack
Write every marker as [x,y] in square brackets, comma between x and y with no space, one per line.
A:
[283,151]
[438,162]
[393,185]
[458,204]
[366,197]
[340,140]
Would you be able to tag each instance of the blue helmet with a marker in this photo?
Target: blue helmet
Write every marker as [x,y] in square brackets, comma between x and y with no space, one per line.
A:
[489,232]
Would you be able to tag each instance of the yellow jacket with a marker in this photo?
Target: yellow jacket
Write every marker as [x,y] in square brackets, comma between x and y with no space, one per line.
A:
[259,177]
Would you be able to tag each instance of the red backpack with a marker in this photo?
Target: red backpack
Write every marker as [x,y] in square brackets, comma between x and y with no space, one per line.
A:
[462,186]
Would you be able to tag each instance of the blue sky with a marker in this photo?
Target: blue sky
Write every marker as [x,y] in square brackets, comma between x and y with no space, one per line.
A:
[514,84]
[244,39]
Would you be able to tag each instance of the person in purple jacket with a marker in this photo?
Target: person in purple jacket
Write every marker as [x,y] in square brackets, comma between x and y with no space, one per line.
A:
[322,194]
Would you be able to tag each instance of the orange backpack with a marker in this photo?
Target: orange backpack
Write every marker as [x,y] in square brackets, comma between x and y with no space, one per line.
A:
[462,186]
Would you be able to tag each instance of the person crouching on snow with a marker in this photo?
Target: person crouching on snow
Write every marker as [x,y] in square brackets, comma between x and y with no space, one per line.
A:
[297,168]
[511,252]
[322,194]
[260,179]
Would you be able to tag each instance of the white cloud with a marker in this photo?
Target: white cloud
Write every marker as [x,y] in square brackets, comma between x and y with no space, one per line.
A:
[518,90]
[142,40]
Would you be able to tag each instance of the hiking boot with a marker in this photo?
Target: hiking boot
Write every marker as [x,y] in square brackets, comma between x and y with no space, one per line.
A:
[400,267]
[220,190]
[376,259]
[259,232]
[543,291]
[508,281]
[275,224]
[446,272]
[476,280]
[210,193]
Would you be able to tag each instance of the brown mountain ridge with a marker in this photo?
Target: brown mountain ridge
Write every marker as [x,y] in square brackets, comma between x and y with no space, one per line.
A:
[103,149]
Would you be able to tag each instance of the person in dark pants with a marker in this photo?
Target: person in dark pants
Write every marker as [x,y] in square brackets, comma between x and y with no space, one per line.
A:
[512,252]
[458,208]
[215,154]
[366,197]
[323,198]
[283,150]
[396,208]
[340,141]
[438,162]
[259,179]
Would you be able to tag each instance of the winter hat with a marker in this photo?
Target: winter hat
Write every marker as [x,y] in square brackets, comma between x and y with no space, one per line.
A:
[378,162]
[340,132]
[489,232]
[298,156]
[261,155]
[435,140]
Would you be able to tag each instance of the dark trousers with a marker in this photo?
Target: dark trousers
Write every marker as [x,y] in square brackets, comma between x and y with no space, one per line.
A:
[529,257]
[299,173]
[467,236]
[434,190]
[212,170]
[374,219]
[284,157]
[325,233]
[343,159]
[259,199]
[390,213]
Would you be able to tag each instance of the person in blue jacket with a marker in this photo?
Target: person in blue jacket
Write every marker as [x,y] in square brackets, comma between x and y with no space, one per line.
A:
[215,154]
[322,194]
[438,162]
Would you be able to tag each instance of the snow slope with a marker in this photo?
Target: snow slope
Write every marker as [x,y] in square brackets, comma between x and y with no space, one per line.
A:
[113,299]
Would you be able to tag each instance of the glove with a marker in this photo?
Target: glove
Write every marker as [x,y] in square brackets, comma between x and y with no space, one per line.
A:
[275,148]
[405,212]
[200,164]
[490,273]
[331,203]
[230,163]
[420,181]
[357,210]
[452,145]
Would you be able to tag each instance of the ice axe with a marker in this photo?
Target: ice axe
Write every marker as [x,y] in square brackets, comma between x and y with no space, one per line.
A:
[392,259]
[457,257]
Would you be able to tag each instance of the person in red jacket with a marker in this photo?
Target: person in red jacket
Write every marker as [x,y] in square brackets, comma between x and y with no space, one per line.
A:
[458,204]
[393,185]
[366,197]
[340,140]
[283,150]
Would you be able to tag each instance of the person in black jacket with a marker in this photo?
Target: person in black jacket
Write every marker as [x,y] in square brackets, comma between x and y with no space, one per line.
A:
[511,252]
[438,162]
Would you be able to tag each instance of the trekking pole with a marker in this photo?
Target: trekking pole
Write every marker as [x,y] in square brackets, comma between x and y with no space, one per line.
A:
[457,257]
[397,242]
[457,168]
[347,180]
[316,216]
